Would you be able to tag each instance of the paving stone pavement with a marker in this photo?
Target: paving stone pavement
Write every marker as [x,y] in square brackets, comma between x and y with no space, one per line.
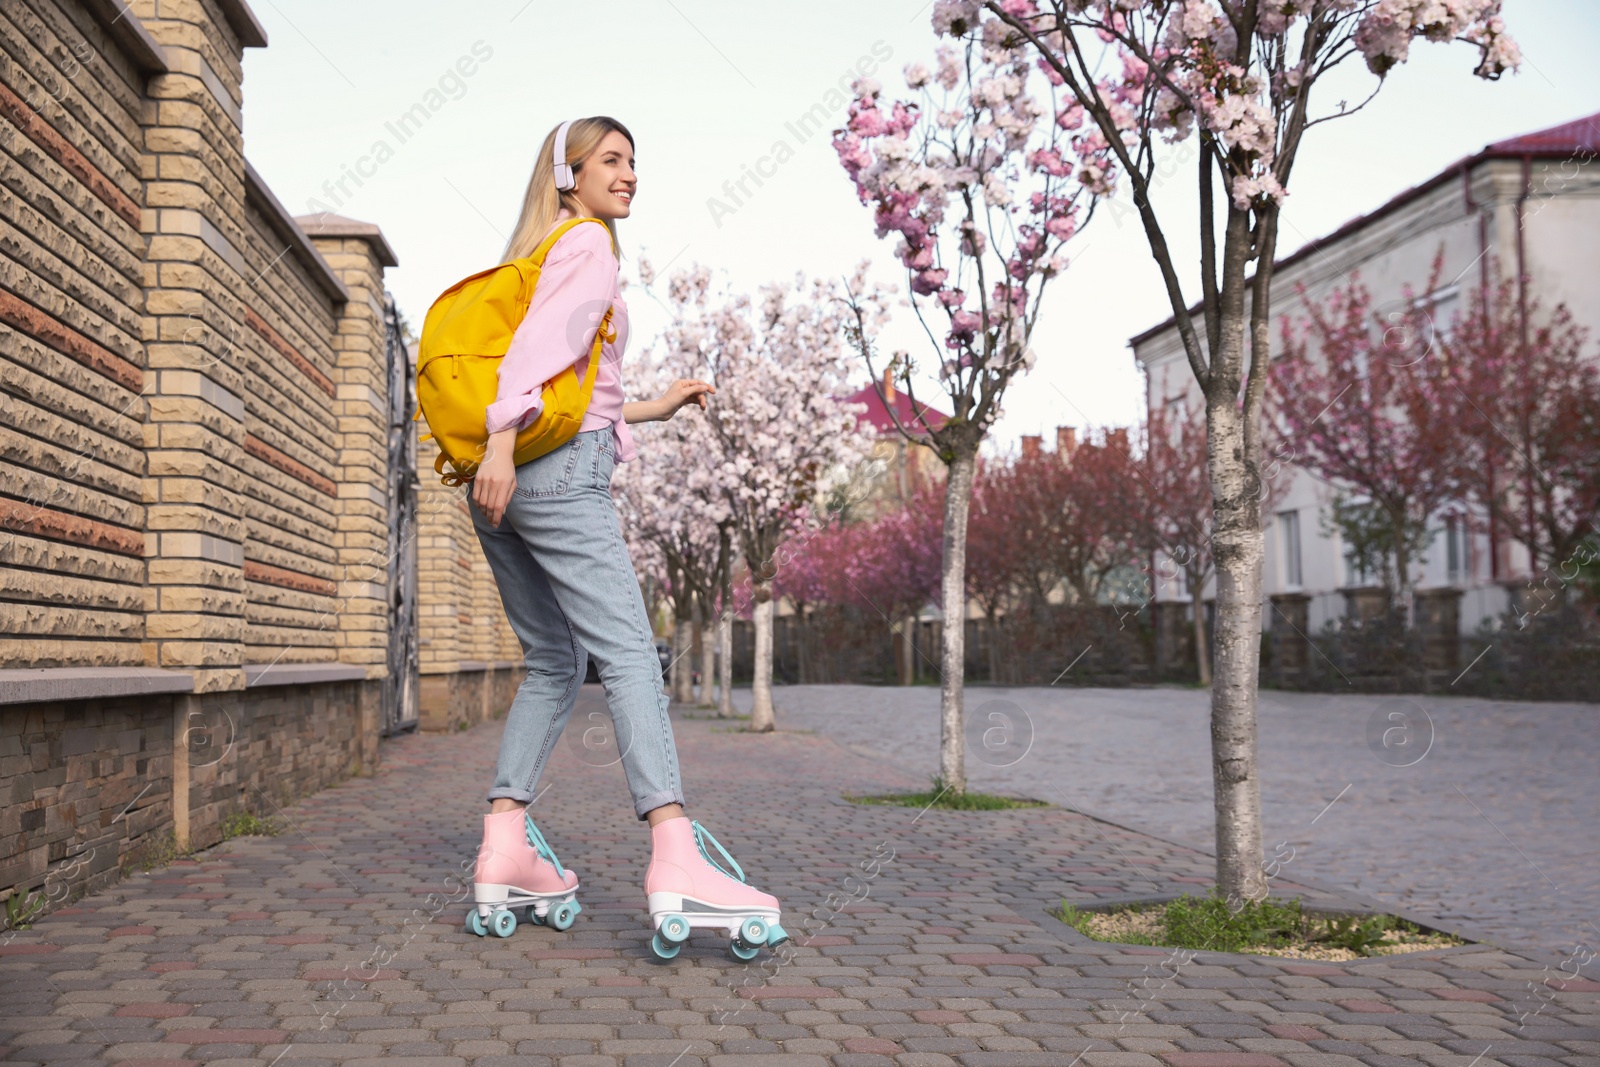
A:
[922,939]
[1479,815]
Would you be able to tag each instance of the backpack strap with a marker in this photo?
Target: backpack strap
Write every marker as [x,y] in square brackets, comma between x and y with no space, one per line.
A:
[538,254]
[454,478]
[602,334]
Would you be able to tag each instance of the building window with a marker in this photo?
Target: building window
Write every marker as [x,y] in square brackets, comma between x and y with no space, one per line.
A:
[1356,574]
[1289,547]
[1455,549]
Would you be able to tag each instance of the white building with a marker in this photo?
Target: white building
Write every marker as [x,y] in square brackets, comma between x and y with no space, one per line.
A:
[1532,203]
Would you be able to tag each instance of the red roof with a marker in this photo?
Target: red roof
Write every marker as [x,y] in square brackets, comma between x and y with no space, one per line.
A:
[1557,142]
[878,415]
[1575,136]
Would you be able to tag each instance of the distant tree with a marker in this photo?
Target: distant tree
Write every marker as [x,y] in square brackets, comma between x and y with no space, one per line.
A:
[1530,413]
[777,428]
[1098,512]
[983,198]
[1372,409]
[1174,490]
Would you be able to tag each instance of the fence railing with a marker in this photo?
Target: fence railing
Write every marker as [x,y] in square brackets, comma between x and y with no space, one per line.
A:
[1551,655]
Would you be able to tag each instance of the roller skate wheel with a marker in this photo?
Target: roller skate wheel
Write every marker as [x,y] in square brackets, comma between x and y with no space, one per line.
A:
[475,923]
[664,950]
[743,951]
[562,915]
[776,936]
[532,916]
[504,922]
[753,931]
[674,929]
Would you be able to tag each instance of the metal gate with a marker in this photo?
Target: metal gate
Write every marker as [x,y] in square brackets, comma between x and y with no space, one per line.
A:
[400,688]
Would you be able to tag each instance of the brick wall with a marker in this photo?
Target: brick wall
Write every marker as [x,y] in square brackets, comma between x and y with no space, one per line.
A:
[72,361]
[195,422]
[462,622]
[87,786]
[194,388]
[90,787]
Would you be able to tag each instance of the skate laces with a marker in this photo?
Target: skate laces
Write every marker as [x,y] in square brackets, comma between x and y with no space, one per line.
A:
[701,836]
[537,842]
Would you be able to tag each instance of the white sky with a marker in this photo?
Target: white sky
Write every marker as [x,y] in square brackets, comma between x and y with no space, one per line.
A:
[708,87]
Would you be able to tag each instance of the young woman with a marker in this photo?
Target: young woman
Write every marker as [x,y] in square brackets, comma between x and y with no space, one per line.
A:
[553,540]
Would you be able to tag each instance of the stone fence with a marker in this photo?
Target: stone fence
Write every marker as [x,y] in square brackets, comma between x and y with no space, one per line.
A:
[1541,650]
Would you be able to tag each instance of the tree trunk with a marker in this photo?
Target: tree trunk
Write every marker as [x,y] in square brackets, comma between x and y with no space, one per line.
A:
[994,649]
[1202,647]
[1402,572]
[1238,548]
[682,665]
[725,677]
[761,717]
[725,625]
[801,630]
[952,586]
[708,652]
[909,649]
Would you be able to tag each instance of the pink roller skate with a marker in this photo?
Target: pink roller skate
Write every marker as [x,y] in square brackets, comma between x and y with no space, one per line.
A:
[516,868]
[686,888]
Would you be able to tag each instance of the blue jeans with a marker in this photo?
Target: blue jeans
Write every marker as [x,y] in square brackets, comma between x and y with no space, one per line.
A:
[569,592]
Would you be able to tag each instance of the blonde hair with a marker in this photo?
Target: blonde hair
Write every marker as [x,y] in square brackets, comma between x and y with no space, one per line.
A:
[543,201]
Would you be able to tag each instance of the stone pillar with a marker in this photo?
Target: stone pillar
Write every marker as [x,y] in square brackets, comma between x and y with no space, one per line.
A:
[1290,642]
[194,315]
[1174,636]
[446,546]
[1364,603]
[358,254]
[1438,621]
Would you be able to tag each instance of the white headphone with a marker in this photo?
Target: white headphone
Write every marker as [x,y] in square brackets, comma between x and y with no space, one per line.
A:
[564,176]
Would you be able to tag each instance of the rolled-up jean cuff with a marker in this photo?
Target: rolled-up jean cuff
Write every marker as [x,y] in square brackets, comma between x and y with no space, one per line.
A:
[506,792]
[656,800]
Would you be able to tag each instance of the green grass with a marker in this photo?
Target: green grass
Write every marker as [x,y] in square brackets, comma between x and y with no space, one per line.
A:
[1208,923]
[22,906]
[156,850]
[937,796]
[247,824]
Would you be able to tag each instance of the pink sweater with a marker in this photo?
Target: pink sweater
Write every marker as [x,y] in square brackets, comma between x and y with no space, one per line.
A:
[578,283]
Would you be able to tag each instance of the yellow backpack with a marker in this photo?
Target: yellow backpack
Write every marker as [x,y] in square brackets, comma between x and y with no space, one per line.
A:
[464,337]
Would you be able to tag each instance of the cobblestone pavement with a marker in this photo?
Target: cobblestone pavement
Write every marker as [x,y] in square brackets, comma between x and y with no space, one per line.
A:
[923,939]
[1480,814]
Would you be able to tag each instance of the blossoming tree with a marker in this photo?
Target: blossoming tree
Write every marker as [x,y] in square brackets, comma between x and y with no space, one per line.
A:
[1376,411]
[1237,77]
[669,498]
[1530,399]
[777,426]
[1011,186]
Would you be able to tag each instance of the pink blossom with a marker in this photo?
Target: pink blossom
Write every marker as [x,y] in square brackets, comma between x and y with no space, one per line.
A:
[928,281]
[868,122]
[1049,160]
[955,17]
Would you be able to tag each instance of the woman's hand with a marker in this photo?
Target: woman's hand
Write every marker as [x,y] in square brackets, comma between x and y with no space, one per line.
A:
[496,479]
[681,392]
